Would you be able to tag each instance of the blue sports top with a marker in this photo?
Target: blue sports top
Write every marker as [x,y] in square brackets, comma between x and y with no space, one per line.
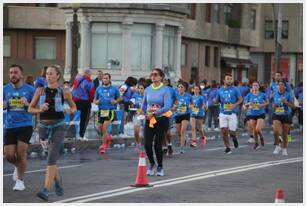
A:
[226,97]
[183,104]
[198,102]
[17,114]
[105,95]
[158,100]
[255,99]
[281,108]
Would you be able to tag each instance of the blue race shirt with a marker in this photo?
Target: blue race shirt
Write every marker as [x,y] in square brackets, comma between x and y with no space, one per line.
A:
[172,94]
[281,108]
[255,99]
[226,97]
[244,90]
[198,102]
[183,104]
[211,95]
[138,98]
[105,95]
[17,114]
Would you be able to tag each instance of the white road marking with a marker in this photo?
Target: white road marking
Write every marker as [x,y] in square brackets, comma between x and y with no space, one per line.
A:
[174,181]
[42,170]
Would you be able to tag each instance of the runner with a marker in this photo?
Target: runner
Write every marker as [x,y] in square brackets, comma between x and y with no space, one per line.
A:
[183,101]
[281,103]
[156,104]
[18,124]
[198,107]
[168,140]
[229,98]
[138,119]
[52,126]
[255,103]
[107,97]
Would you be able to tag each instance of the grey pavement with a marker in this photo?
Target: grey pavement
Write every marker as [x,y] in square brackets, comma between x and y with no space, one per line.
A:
[204,174]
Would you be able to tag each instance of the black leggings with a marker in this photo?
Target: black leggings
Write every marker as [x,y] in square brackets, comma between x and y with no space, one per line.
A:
[84,107]
[158,131]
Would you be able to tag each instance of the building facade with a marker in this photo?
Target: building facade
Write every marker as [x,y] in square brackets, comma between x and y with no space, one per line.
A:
[291,63]
[189,41]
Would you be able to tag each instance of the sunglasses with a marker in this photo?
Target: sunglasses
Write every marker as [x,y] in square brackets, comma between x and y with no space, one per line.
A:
[155,74]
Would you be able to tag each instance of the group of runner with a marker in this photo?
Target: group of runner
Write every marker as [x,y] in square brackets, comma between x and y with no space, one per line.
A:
[156,106]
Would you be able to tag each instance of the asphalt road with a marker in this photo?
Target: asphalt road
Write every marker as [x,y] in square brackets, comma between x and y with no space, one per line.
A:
[201,175]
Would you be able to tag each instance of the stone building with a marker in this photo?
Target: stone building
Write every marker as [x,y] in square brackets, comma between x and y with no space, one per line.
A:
[189,41]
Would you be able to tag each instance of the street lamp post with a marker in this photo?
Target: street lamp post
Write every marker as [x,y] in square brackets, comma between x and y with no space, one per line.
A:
[74,39]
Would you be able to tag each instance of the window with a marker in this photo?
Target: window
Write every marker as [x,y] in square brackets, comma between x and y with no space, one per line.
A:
[285,29]
[169,39]
[45,48]
[192,11]
[141,47]
[208,13]
[207,55]
[216,13]
[216,56]
[253,19]
[183,55]
[6,46]
[227,13]
[269,30]
[106,45]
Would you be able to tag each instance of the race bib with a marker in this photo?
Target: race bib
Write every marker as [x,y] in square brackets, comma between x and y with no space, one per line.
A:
[256,106]
[16,104]
[279,109]
[227,106]
[195,110]
[182,109]
[104,113]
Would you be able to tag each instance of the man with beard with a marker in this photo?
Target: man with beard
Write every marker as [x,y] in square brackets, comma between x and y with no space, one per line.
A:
[229,98]
[18,124]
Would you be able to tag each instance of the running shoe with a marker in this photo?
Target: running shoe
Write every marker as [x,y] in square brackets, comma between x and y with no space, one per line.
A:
[277,149]
[235,141]
[262,142]
[203,140]
[102,149]
[256,146]
[43,194]
[150,171]
[170,150]
[19,185]
[59,190]
[182,151]
[228,150]
[160,171]
[209,129]
[217,129]
[251,140]
[284,152]
[15,176]
[193,143]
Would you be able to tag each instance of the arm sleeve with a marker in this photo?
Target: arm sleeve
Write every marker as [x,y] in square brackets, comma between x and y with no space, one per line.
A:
[167,103]
[144,102]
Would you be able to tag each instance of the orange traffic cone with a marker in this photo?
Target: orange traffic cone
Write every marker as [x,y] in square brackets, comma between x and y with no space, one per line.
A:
[279,196]
[142,178]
